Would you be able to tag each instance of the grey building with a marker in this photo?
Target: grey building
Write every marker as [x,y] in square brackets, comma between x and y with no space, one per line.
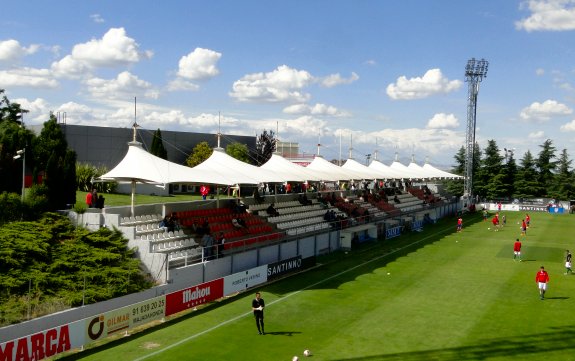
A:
[102,146]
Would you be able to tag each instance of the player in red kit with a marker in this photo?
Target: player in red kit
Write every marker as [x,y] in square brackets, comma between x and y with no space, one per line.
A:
[527,219]
[542,278]
[459,224]
[523,227]
[517,250]
[495,221]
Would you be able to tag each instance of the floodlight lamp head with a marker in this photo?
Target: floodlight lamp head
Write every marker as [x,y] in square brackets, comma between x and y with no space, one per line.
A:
[20,152]
[17,157]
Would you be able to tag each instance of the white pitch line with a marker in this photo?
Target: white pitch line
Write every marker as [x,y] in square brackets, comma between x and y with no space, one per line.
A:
[284,298]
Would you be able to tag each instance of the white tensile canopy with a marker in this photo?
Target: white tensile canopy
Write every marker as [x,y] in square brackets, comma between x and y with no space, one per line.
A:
[140,166]
[440,173]
[332,171]
[416,168]
[290,171]
[408,173]
[227,170]
[386,171]
[356,167]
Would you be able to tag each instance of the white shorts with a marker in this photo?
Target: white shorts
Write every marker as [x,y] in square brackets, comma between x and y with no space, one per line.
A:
[567,264]
[517,253]
[543,286]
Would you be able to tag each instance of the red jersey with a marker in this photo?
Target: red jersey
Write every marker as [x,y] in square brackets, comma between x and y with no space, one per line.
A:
[495,221]
[517,246]
[527,218]
[542,276]
[459,222]
[523,225]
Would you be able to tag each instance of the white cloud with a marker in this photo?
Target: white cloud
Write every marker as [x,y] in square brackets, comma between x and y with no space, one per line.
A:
[553,15]
[114,49]
[12,51]
[68,67]
[27,77]
[282,84]
[336,79]
[536,135]
[97,18]
[181,84]
[433,82]
[539,71]
[124,85]
[568,127]
[442,120]
[542,112]
[199,64]
[370,62]
[317,109]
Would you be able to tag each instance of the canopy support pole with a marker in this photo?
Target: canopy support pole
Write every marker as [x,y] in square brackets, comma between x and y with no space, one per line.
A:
[133,196]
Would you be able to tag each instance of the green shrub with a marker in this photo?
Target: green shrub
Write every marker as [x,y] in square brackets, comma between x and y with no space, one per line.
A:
[36,202]
[87,173]
[10,207]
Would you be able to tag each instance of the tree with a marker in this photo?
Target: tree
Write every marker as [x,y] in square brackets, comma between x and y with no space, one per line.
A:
[562,187]
[238,151]
[265,147]
[526,179]
[157,148]
[546,166]
[201,152]
[455,187]
[11,112]
[510,172]
[13,137]
[487,179]
[57,163]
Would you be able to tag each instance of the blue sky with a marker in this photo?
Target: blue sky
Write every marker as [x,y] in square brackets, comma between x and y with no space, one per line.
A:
[385,75]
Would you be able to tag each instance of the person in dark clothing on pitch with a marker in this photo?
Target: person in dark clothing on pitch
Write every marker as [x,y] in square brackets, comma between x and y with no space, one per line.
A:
[258,306]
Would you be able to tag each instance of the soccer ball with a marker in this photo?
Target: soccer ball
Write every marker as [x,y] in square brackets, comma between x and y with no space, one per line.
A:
[306,353]
[489,228]
[295,358]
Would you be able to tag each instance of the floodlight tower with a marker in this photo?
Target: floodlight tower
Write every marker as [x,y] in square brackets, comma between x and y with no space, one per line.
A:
[475,71]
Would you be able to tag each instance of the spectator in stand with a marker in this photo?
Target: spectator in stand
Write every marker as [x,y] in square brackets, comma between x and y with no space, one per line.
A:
[164,223]
[204,191]
[396,199]
[302,199]
[272,211]
[288,188]
[89,199]
[257,196]
[205,227]
[321,199]
[100,202]
[239,223]
[221,244]
[207,242]
[94,198]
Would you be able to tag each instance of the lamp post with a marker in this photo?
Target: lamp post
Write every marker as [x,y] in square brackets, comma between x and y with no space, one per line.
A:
[22,154]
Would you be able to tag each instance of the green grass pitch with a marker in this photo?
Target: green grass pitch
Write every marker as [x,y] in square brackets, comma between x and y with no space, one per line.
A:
[433,295]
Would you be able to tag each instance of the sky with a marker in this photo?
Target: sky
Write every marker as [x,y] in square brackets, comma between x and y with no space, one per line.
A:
[385,76]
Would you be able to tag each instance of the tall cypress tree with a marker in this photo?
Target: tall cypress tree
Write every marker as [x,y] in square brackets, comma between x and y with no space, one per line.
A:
[526,179]
[57,163]
[546,165]
[157,148]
